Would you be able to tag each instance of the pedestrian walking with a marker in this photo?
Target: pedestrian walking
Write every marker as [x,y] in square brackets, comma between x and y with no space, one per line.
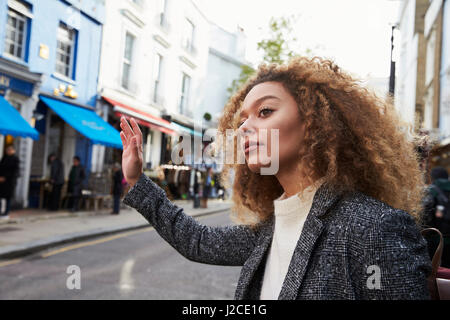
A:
[9,172]
[437,211]
[56,180]
[117,187]
[75,184]
[328,199]
[206,188]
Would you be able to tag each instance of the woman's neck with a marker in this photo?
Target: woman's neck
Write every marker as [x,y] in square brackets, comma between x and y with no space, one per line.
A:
[289,178]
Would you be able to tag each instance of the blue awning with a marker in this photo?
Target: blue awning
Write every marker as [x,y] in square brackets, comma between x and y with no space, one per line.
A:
[11,122]
[86,122]
[180,128]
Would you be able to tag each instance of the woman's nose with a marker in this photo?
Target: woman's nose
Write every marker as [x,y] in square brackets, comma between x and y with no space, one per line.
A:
[246,128]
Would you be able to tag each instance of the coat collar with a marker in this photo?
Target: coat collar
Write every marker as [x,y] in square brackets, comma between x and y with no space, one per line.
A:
[323,200]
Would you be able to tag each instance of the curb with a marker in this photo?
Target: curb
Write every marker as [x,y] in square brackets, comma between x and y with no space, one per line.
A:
[20,250]
[52,216]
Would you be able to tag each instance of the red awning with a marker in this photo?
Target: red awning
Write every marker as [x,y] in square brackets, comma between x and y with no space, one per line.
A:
[143,118]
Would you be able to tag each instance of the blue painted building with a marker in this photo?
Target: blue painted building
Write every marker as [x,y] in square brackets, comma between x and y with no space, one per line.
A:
[49,64]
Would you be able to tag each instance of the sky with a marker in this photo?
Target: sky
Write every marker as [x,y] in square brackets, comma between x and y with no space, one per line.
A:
[356,34]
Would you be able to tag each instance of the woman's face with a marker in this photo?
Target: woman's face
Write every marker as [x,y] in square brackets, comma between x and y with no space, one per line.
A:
[270,106]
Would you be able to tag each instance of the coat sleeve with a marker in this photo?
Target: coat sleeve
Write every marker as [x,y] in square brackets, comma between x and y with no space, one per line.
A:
[394,263]
[228,246]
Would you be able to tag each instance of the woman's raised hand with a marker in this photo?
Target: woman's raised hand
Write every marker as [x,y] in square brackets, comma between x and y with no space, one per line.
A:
[132,156]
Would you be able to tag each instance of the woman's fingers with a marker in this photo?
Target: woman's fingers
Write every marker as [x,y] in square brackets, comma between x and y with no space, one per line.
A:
[126,128]
[135,146]
[124,139]
[136,130]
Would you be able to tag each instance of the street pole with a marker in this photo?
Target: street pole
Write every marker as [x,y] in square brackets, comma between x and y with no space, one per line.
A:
[392,74]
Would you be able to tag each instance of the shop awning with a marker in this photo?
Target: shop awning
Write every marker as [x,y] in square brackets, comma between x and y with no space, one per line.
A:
[86,122]
[11,122]
[180,128]
[143,118]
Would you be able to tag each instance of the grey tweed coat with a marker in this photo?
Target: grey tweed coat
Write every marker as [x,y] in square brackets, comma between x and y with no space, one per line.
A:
[351,247]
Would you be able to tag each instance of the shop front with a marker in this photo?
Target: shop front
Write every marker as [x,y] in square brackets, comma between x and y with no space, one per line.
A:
[153,129]
[68,129]
[18,97]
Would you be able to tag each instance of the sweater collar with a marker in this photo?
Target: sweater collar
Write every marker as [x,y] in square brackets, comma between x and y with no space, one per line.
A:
[298,202]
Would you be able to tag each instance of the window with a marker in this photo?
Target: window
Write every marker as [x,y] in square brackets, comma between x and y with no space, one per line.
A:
[65,51]
[162,13]
[157,77]
[148,150]
[188,36]
[186,82]
[16,29]
[127,57]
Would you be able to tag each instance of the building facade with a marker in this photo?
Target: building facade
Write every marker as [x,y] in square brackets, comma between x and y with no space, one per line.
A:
[56,44]
[410,78]
[153,66]
[225,59]
[437,80]
[423,80]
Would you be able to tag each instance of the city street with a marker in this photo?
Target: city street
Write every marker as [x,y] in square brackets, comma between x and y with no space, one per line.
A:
[131,265]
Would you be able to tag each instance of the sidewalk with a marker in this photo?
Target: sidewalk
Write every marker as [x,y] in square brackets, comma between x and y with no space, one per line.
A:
[29,231]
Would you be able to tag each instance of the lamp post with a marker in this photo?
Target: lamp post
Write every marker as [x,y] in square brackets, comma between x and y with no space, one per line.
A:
[392,73]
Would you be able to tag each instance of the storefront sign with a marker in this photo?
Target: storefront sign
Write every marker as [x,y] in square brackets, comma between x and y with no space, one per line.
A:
[44,51]
[17,85]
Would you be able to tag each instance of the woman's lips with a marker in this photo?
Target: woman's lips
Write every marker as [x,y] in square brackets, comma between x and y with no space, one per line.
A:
[251,147]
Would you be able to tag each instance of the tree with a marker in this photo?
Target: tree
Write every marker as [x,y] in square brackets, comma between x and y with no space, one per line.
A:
[277,48]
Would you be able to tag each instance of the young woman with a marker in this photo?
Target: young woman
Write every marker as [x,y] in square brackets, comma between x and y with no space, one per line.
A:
[337,220]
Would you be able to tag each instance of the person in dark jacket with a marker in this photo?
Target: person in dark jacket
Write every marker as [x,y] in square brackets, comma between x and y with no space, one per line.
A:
[117,187]
[57,181]
[76,178]
[437,211]
[9,171]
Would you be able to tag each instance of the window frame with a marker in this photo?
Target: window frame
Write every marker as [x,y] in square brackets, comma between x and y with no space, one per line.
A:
[19,17]
[72,51]
[184,98]
[189,46]
[162,12]
[157,75]
[126,61]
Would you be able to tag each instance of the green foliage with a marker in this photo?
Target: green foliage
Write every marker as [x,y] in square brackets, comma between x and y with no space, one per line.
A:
[277,48]
[207,116]
[246,73]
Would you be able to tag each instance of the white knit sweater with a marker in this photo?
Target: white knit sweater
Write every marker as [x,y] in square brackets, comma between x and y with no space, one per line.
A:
[290,215]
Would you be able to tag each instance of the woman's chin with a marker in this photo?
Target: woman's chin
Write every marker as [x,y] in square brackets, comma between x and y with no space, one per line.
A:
[256,167]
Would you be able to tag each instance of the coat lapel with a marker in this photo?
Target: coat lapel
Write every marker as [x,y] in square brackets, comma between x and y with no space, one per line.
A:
[253,262]
[312,229]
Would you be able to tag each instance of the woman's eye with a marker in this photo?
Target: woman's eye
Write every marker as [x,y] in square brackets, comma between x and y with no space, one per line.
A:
[265,111]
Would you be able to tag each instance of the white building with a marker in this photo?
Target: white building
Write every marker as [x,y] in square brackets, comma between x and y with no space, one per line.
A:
[379,85]
[226,56]
[410,80]
[422,88]
[153,66]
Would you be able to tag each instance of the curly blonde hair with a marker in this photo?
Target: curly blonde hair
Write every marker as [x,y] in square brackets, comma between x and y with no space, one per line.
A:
[353,138]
